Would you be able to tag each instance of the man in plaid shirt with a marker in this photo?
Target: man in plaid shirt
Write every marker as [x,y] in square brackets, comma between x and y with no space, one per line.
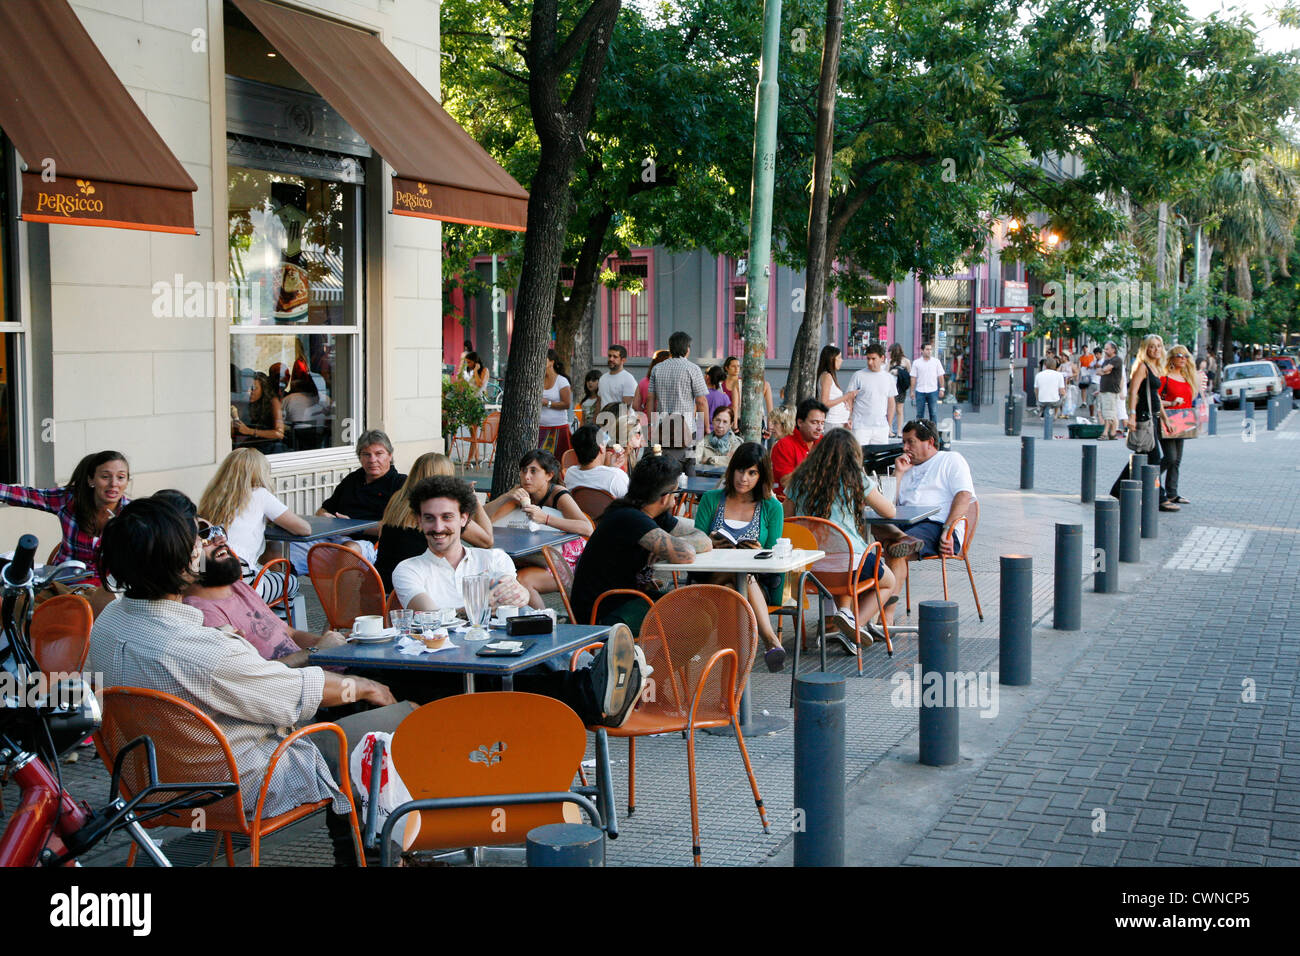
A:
[679,397]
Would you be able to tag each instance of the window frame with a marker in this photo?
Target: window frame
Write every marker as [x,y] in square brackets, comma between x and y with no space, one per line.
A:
[636,348]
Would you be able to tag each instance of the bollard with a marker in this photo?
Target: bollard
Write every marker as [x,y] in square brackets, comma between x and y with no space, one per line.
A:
[820,711]
[1026,462]
[1214,418]
[1015,620]
[565,844]
[1047,424]
[1088,479]
[1105,546]
[1130,521]
[956,424]
[1270,412]
[1150,500]
[1067,593]
[937,661]
[1135,462]
[1248,407]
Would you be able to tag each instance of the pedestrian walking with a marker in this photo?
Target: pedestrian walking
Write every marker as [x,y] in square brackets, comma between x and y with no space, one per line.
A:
[557,399]
[1145,412]
[837,402]
[900,366]
[1179,388]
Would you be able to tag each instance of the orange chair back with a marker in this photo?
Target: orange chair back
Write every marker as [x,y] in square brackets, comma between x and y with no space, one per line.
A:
[563,575]
[494,743]
[391,605]
[835,571]
[592,501]
[346,584]
[61,633]
[189,745]
[801,539]
[681,632]
[488,433]
[567,461]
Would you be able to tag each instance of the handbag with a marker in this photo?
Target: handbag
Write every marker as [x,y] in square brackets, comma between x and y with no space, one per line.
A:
[1181,423]
[1141,437]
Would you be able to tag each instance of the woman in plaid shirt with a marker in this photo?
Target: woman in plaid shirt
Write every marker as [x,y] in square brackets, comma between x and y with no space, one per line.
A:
[95,493]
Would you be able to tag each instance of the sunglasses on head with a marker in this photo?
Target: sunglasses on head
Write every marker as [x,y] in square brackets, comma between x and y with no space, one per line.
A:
[923,428]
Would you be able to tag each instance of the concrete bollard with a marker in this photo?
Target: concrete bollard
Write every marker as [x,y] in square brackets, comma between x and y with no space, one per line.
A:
[1067,591]
[565,844]
[937,658]
[1105,543]
[820,711]
[1015,620]
[1130,521]
[1150,501]
[1271,412]
[1135,462]
[1088,477]
[1026,462]
[1248,407]
[956,424]
[1214,419]
[1047,424]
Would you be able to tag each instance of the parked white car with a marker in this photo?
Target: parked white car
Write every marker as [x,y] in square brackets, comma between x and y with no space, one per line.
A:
[1251,381]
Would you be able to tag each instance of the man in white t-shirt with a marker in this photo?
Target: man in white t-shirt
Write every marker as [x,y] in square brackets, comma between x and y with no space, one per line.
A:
[1050,386]
[927,384]
[591,470]
[930,478]
[873,408]
[618,384]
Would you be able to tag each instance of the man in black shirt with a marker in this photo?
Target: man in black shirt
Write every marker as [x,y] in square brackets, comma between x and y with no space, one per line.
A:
[363,493]
[1109,374]
[634,531]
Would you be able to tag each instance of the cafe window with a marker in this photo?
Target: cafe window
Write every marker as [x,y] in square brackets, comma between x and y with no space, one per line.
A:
[867,316]
[629,308]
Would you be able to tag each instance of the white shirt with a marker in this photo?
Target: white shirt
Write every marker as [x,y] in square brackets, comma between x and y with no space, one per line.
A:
[429,574]
[552,417]
[839,414]
[925,374]
[246,534]
[935,483]
[613,480]
[617,387]
[1049,383]
[871,405]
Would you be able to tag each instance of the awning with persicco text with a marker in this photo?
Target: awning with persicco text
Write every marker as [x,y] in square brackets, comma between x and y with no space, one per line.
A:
[92,158]
[440,171]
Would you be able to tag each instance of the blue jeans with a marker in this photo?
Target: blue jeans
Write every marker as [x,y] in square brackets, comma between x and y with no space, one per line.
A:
[924,399]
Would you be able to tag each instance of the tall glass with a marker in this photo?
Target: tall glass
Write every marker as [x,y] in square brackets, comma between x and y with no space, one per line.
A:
[475,589]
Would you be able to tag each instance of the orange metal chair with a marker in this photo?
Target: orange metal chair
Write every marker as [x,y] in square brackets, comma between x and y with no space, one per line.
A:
[560,570]
[591,501]
[801,539]
[969,522]
[487,438]
[61,633]
[473,746]
[346,584]
[391,605]
[192,748]
[701,640]
[283,599]
[568,460]
[838,571]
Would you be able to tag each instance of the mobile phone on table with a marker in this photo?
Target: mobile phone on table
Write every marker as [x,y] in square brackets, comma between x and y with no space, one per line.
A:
[762,554]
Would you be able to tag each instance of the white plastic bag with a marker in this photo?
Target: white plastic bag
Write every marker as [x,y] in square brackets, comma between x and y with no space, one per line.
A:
[392,792]
[1071,401]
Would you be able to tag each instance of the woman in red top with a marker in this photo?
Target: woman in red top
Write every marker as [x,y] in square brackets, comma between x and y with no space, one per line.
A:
[1179,387]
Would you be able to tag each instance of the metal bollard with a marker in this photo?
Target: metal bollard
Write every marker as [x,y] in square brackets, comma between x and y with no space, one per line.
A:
[820,711]
[565,844]
[1026,462]
[1088,479]
[937,661]
[1105,544]
[1270,411]
[1067,591]
[1150,500]
[1130,521]
[1135,462]
[1047,424]
[1015,620]
[1214,419]
[1248,407]
[956,424]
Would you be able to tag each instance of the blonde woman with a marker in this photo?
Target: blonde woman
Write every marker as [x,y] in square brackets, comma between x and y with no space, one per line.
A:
[400,536]
[240,500]
[781,423]
[1180,388]
[1145,411]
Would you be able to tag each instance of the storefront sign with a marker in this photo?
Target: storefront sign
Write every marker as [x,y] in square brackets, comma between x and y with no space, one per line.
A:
[1015,293]
[85,202]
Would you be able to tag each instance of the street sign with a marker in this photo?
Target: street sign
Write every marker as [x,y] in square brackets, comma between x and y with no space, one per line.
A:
[1005,310]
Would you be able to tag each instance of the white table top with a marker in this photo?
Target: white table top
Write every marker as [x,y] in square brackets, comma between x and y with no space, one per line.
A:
[737,560]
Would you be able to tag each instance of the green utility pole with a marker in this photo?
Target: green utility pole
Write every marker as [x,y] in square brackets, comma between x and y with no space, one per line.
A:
[759,270]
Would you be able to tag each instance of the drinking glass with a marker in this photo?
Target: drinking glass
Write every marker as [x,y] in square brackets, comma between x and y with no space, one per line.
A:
[475,589]
[403,619]
[426,622]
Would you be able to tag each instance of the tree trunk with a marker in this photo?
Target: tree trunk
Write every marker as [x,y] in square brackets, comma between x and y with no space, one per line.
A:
[1162,228]
[800,382]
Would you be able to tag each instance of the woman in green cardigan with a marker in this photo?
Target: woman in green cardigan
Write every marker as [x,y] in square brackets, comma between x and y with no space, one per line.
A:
[744,509]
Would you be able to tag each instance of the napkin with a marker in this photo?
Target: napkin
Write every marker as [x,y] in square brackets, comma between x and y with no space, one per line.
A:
[414,648]
[510,646]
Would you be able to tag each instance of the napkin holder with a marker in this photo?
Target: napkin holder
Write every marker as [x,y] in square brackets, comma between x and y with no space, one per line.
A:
[524,624]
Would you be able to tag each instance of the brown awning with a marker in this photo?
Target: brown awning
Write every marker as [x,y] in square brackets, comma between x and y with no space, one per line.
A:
[92,157]
[441,172]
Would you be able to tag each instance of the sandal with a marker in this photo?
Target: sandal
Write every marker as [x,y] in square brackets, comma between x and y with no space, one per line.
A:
[1179,499]
[1169,506]
[775,659]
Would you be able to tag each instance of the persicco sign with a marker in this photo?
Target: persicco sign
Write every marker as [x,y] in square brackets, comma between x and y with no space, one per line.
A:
[83,202]
[62,205]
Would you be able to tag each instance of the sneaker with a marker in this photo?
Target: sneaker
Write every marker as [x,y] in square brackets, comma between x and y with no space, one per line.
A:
[618,678]
[845,621]
[906,548]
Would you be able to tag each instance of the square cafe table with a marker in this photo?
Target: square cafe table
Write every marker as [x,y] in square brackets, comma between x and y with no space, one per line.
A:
[322,526]
[520,542]
[743,562]
[905,517]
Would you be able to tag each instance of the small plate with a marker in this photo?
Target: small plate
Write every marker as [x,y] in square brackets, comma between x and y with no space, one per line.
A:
[385,635]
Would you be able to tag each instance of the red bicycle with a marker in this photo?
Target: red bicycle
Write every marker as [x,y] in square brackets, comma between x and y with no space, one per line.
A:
[40,723]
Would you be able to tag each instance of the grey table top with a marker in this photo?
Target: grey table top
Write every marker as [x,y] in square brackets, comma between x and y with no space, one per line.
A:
[322,527]
[907,515]
[520,542]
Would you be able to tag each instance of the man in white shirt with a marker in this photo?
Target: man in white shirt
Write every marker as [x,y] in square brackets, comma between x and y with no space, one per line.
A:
[618,384]
[927,384]
[1050,386]
[873,408]
[930,478]
[604,693]
[591,470]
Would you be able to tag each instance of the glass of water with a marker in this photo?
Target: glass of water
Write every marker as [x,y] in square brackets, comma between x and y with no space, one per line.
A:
[402,619]
[475,589]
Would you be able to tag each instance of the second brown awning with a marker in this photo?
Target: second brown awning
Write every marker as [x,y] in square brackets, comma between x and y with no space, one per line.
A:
[441,172]
[93,159]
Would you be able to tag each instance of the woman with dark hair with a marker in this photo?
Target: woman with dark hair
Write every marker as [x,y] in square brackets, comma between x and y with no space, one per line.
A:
[900,366]
[643,386]
[541,498]
[717,398]
[831,484]
[590,404]
[837,402]
[717,447]
[744,513]
[93,495]
[557,399]
[265,426]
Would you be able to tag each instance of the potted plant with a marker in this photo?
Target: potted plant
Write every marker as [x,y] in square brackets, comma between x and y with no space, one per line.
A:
[462,407]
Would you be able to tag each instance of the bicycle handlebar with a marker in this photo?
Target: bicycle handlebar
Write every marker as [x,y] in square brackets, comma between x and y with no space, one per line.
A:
[18,572]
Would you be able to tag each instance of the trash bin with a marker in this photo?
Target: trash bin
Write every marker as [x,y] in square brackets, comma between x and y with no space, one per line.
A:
[1014,415]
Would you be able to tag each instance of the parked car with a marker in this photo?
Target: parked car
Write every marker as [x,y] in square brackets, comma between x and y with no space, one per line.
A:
[1290,372]
[1251,381]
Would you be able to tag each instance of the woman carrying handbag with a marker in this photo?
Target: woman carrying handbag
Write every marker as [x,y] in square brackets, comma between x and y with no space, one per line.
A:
[1145,411]
[1180,389]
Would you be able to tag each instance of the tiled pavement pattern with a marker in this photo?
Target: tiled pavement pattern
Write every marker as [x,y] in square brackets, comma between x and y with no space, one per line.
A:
[1135,721]
[1213,550]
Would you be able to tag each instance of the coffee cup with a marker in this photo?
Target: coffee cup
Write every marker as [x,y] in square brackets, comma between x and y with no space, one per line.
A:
[368,625]
[446,615]
[505,612]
